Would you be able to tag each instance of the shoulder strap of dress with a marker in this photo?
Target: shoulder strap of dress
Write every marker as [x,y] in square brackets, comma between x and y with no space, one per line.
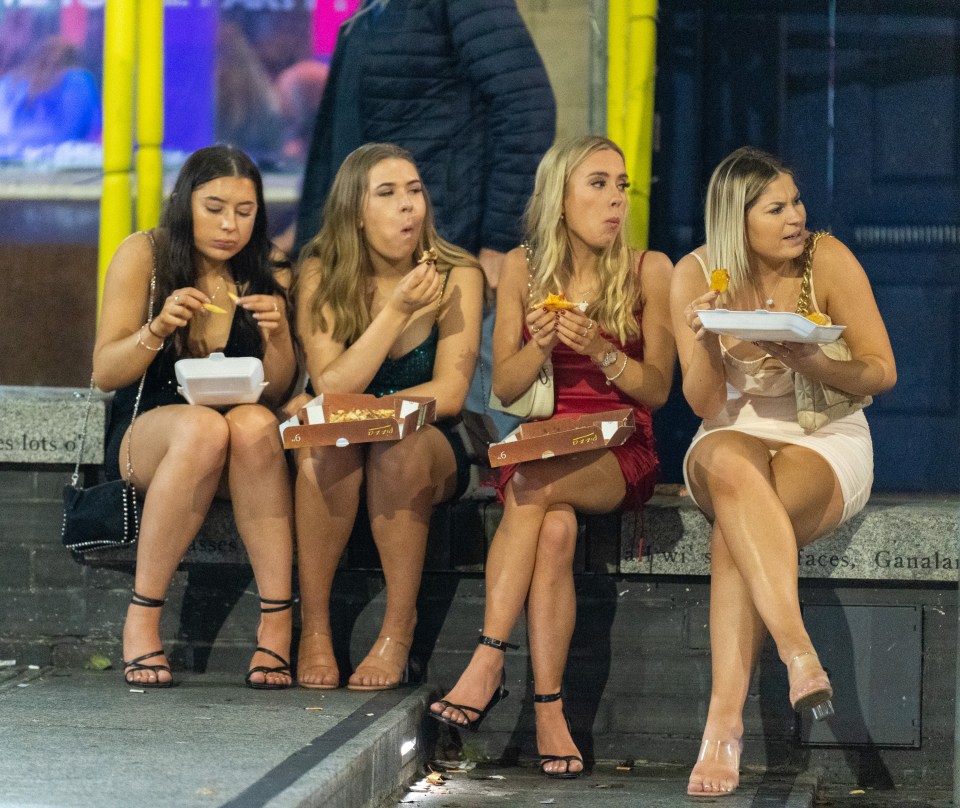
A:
[703,266]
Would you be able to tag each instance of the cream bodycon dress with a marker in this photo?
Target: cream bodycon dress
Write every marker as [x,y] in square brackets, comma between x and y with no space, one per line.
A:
[761,402]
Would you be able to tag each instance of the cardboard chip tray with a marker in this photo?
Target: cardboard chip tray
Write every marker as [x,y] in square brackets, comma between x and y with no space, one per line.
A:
[539,440]
[312,425]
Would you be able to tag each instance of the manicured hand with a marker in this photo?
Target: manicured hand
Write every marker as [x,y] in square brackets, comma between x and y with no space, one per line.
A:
[179,309]
[270,312]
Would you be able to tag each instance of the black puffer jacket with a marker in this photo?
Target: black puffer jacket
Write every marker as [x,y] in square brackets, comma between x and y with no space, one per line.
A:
[459,84]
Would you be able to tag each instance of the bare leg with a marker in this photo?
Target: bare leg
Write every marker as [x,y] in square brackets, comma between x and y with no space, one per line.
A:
[327,495]
[177,453]
[259,484]
[589,482]
[551,615]
[405,480]
[805,486]
[736,633]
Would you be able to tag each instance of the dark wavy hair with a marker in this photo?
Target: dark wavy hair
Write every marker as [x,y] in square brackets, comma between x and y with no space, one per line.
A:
[251,267]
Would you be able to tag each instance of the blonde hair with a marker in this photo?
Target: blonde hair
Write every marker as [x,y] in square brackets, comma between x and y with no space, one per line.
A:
[734,188]
[551,250]
[345,265]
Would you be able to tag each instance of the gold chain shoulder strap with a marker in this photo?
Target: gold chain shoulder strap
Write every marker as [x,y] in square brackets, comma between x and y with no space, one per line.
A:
[803,303]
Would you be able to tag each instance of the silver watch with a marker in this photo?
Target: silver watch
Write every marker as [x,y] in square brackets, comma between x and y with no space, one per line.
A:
[608,359]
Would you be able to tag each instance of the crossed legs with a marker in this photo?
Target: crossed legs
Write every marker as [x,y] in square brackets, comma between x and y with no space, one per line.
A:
[539,503]
[763,510]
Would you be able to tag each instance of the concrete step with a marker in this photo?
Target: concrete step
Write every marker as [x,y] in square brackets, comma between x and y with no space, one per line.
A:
[71,739]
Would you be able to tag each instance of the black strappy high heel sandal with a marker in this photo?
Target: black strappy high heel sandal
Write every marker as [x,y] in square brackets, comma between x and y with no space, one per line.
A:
[137,664]
[499,694]
[567,774]
[284,666]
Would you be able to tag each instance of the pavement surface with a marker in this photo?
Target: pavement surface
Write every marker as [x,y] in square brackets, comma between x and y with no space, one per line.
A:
[79,739]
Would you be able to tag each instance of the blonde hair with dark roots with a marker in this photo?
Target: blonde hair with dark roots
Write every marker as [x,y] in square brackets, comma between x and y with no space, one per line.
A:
[552,252]
[345,265]
[735,185]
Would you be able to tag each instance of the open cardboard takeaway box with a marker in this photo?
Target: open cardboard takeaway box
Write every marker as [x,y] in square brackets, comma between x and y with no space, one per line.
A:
[314,424]
[539,440]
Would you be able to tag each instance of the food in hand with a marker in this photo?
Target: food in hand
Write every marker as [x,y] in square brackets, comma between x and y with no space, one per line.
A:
[213,308]
[558,302]
[719,280]
[818,317]
[359,414]
[429,256]
[241,288]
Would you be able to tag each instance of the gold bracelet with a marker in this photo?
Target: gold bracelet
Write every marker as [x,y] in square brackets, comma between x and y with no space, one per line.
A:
[619,373]
[142,343]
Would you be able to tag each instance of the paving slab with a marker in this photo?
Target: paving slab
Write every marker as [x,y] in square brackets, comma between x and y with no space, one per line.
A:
[603,787]
[74,738]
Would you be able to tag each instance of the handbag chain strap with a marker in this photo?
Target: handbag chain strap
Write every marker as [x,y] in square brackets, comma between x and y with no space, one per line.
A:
[136,404]
[803,303]
[484,390]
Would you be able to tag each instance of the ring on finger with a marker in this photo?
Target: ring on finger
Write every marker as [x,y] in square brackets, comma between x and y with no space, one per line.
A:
[589,324]
[535,329]
[275,307]
[176,299]
[585,330]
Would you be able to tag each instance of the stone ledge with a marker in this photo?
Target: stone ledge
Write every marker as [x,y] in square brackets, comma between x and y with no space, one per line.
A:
[42,425]
[895,538]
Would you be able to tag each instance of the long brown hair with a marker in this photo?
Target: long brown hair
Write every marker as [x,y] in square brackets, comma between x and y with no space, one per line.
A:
[340,248]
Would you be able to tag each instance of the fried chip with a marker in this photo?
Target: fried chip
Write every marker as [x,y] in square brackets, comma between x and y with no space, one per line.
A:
[719,280]
[555,302]
[818,318]
[214,309]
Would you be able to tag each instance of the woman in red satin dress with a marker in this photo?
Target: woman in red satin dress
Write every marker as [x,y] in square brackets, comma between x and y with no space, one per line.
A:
[616,351]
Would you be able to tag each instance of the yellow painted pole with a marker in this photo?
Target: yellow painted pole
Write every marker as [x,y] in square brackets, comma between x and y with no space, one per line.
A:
[149,113]
[120,31]
[631,78]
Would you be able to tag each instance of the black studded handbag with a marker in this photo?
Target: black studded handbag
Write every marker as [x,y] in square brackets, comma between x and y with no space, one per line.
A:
[107,515]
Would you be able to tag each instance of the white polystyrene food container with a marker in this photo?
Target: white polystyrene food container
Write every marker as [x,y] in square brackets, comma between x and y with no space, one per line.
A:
[771,326]
[218,381]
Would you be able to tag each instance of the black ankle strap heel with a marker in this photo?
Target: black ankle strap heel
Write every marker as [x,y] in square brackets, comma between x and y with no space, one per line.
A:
[546,759]
[138,664]
[473,724]
[277,605]
[500,645]
[142,600]
[284,666]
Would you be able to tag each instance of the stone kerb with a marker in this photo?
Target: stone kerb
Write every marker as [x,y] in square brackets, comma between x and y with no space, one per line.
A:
[894,538]
[42,425]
